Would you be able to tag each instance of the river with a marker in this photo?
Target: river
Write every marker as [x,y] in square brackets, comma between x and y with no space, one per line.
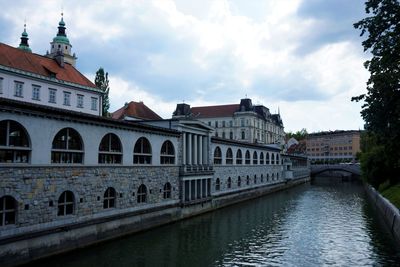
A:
[310,225]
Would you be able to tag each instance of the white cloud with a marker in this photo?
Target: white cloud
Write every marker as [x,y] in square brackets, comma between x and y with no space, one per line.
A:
[213,53]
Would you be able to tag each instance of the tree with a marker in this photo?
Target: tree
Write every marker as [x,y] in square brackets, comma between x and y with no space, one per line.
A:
[299,135]
[101,81]
[381,108]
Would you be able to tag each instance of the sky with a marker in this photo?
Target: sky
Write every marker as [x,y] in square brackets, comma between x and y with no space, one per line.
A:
[302,58]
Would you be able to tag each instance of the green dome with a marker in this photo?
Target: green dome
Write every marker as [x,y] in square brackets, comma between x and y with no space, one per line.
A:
[61,39]
[25,48]
[24,34]
[61,23]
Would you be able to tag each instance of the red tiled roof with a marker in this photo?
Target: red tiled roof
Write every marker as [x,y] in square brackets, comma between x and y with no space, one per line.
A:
[136,110]
[214,111]
[18,59]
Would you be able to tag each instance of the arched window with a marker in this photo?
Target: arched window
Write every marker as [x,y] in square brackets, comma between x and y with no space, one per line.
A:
[239,182]
[277,159]
[262,178]
[229,185]
[67,147]
[267,158]
[261,158]
[14,143]
[255,178]
[217,184]
[229,156]
[267,177]
[255,158]
[243,135]
[66,203]
[247,157]
[142,194]
[109,198]
[272,158]
[110,149]
[8,210]
[167,153]
[247,180]
[230,135]
[217,155]
[273,177]
[167,191]
[277,176]
[239,157]
[142,151]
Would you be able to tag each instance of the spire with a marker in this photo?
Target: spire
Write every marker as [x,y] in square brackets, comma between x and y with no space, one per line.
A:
[61,45]
[61,35]
[24,45]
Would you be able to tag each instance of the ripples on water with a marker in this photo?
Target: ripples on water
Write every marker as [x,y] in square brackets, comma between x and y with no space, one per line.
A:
[311,225]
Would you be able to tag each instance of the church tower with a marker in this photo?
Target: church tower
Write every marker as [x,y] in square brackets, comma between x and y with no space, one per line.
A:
[61,45]
[24,41]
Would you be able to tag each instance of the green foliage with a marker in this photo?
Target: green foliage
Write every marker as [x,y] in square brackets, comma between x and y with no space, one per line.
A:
[101,81]
[392,193]
[299,135]
[380,159]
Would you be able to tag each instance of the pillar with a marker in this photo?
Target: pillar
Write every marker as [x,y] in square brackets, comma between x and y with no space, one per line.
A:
[184,149]
[189,149]
[200,149]
[195,149]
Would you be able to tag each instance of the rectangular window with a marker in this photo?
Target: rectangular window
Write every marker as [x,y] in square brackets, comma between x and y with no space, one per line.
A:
[230,123]
[216,124]
[79,101]
[52,95]
[94,103]
[19,87]
[67,99]
[223,123]
[1,85]
[35,92]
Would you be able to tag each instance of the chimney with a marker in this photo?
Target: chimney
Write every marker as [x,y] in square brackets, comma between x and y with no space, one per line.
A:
[60,58]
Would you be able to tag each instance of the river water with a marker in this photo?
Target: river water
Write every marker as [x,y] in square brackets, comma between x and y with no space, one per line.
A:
[323,224]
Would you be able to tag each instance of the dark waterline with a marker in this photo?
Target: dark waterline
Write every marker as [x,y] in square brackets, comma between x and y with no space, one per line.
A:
[310,225]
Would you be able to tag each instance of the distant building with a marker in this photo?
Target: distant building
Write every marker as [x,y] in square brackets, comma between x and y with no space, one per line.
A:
[333,146]
[298,148]
[135,111]
[243,122]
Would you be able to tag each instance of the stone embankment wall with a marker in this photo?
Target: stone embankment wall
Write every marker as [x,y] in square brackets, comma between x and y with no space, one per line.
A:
[40,232]
[390,213]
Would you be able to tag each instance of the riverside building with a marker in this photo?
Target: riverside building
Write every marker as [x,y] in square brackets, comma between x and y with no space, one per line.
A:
[333,146]
[70,177]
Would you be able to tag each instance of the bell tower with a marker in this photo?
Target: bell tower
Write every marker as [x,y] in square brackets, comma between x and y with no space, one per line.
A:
[61,45]
[24,41]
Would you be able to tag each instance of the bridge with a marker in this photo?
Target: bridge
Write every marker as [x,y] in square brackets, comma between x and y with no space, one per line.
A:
[353,169]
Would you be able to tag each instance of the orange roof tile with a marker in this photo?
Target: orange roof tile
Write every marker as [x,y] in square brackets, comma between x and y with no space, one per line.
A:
[215,111]
[137,110]
[18,59]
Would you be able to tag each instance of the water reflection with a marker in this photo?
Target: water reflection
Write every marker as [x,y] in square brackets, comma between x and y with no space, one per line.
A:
[310,225]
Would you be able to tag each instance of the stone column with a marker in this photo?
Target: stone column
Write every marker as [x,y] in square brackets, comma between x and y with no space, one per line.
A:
[189,148]
[184,149]
[195,162]
[200,149]
[205,150]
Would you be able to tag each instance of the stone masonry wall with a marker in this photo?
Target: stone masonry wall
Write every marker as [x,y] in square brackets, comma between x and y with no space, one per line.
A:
[223,172]
[37,189]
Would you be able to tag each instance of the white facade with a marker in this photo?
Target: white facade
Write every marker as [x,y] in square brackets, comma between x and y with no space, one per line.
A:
[246,127]
[37,90]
